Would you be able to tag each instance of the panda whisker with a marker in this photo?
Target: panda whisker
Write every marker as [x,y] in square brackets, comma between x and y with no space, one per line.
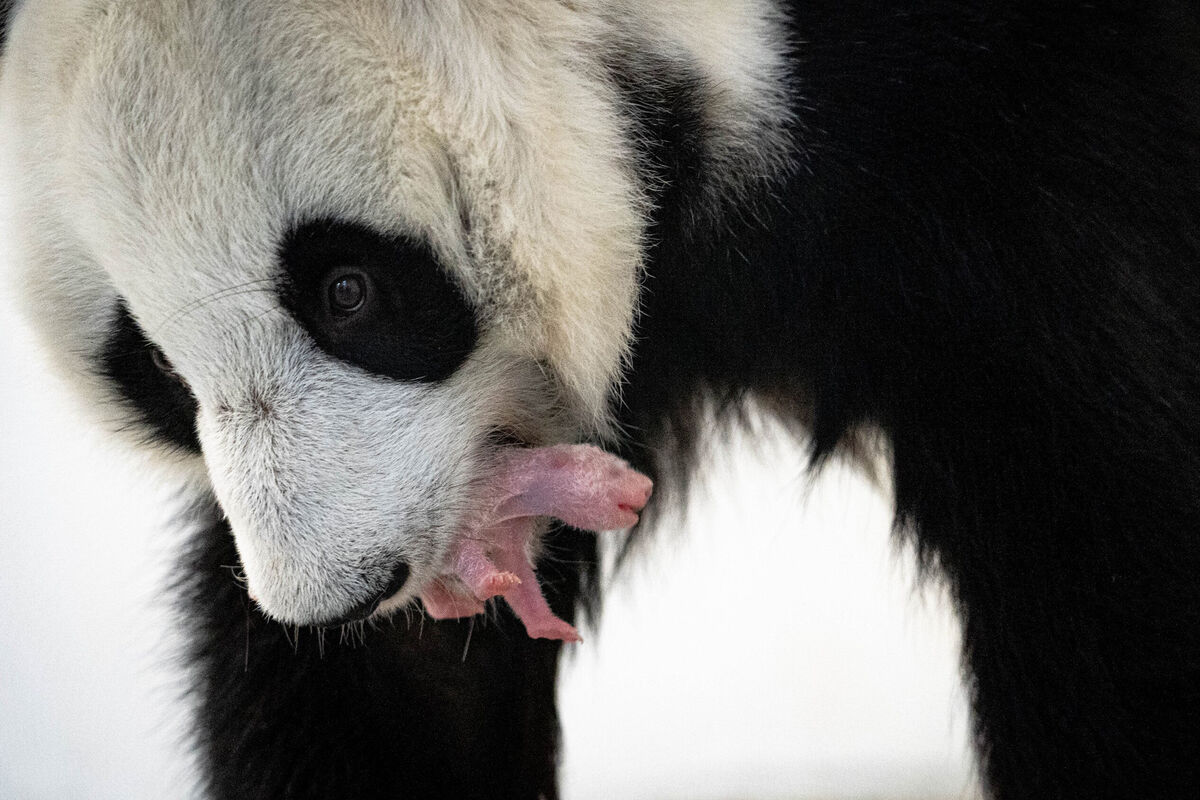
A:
[246,655]
[181,313]
[245,323]
[238,573]
[196,301]
[470,633]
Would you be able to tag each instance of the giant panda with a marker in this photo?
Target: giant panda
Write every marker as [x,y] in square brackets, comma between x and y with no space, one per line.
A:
[325,261]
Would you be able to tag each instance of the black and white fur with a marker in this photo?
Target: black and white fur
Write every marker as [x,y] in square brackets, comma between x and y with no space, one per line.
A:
[968,229]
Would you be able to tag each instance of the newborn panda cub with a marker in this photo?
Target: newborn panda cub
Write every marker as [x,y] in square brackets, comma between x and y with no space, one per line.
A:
[578,484]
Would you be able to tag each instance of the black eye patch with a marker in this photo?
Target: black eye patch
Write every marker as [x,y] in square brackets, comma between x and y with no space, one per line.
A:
[379,302]
[148,384]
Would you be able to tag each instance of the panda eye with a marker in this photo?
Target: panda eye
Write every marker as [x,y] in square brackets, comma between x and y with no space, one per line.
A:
[348,292]
[381,302]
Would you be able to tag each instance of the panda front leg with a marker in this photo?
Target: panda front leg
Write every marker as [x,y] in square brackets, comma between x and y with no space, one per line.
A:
[1075,572]
[407,707]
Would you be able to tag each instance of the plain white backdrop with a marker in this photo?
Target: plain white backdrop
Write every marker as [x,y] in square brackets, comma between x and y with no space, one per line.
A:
[771,645]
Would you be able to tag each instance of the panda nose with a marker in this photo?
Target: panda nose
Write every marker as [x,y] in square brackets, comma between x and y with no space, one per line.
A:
[367,607]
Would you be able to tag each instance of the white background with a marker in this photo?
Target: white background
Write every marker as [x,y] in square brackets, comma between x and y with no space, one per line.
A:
[771,645]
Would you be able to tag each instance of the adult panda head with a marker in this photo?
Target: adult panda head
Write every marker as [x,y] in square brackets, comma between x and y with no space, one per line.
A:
[326,258]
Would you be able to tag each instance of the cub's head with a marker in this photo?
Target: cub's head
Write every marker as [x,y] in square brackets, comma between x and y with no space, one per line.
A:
[328,256]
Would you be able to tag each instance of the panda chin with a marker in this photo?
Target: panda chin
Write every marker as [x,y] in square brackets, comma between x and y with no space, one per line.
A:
[391,597]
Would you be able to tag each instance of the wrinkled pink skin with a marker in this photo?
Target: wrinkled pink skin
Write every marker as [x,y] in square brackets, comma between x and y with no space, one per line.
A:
[581,485]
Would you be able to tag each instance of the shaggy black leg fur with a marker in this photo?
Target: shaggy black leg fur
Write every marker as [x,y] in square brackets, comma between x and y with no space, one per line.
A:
[402,709]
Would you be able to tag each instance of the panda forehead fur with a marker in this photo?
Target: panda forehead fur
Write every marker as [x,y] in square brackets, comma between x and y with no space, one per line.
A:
[173,146]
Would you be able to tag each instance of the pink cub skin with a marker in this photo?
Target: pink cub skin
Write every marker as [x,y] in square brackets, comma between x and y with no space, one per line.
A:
[581,485]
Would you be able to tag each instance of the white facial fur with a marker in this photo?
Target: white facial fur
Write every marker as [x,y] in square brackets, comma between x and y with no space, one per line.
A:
[160,150]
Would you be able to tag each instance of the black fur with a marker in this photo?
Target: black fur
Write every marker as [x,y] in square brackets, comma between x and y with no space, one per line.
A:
[143,376]
[414,323]
[988,246]
[7,7]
